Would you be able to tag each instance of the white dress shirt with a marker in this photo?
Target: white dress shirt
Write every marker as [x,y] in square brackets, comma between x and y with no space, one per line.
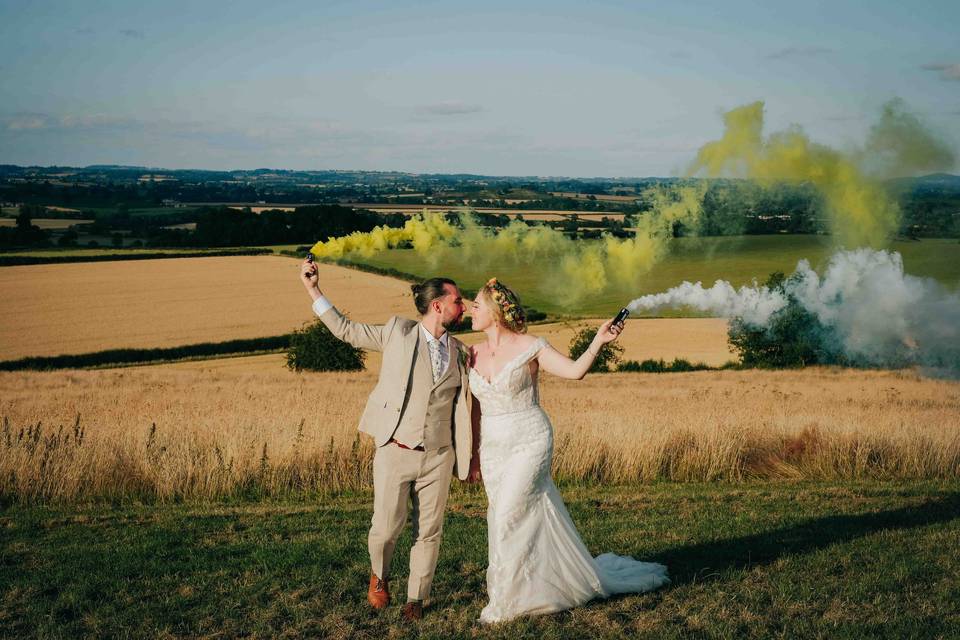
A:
[443,340]
[321,305]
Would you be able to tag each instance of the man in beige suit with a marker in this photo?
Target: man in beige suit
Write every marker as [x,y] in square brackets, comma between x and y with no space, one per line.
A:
[419,420]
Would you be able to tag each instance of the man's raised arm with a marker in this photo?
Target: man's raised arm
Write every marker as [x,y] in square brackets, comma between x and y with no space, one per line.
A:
[363,336]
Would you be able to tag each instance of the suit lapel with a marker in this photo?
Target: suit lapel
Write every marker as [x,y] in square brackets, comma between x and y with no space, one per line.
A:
[410,343]
[424,370]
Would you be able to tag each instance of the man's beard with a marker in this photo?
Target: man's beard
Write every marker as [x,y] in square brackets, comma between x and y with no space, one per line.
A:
[449,323]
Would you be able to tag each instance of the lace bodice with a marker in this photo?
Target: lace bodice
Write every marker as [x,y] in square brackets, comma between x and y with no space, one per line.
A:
[513,389]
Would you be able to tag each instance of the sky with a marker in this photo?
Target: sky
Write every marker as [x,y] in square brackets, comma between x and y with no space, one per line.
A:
[497,88]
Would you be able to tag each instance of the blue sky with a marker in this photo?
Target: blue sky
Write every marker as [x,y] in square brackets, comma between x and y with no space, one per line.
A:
[552,88]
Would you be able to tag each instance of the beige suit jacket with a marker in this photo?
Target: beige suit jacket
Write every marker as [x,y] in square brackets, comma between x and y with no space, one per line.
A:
[397,387]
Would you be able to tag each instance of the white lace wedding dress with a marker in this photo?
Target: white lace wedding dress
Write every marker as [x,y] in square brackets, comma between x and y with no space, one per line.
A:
[537,561]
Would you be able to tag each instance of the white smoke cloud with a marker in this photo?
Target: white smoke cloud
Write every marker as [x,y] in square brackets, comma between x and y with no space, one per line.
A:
[868,308]
[754,304]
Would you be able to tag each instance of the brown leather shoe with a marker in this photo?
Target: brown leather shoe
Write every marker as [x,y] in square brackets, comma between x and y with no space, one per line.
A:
[377,594]
[413,611]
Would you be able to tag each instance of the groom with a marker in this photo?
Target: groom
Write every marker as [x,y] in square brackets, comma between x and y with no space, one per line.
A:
[418,417]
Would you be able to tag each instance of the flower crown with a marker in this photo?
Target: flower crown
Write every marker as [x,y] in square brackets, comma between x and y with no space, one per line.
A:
[513,314]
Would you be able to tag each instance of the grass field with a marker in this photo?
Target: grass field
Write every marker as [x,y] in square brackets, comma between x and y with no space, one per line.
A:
[86,307]
[207,432]
[737,259]
[757,560]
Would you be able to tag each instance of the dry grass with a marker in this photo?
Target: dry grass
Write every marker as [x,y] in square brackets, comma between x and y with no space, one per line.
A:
[78,308]
[169,432]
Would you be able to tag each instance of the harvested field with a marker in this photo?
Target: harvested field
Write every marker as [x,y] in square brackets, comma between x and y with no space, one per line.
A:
[47,223]
[85,307]
[600,197]
[694,339]
[190,226]
[167,432]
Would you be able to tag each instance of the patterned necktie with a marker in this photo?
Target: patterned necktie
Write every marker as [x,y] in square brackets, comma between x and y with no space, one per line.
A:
[436,358]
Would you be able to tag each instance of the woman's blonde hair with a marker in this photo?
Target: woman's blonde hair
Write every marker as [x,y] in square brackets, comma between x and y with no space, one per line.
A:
[505,305]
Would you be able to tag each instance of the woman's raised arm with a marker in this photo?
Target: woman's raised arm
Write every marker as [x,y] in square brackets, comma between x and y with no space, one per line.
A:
[552,361]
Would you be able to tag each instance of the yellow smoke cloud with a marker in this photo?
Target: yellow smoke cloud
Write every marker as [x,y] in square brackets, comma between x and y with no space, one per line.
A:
[421,232]
[572,270]
[859,210]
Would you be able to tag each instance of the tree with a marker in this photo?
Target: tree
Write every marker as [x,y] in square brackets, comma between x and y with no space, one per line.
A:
[607,358]
[69,238]
[314,348]
[793,338]
[24,221]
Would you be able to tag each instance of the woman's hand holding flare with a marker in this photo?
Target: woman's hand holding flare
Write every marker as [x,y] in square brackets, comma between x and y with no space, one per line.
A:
[608,332]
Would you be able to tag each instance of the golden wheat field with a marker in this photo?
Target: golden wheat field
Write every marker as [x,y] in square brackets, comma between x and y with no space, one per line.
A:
[167,432]
[82,307]
[694,339]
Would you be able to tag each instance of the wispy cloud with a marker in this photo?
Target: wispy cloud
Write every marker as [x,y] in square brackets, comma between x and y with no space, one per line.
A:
[26,122]
[448,108]
[844,118]
[84,31]
[798,52]
[948,71]
[132,33]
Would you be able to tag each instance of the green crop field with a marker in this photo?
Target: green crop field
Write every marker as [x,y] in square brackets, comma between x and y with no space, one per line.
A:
[144,211]
[739,259]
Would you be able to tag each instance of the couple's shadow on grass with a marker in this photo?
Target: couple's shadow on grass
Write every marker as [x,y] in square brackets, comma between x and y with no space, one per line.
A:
[709,560]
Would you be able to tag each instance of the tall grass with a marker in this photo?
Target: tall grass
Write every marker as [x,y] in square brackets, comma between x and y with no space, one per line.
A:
[163,434]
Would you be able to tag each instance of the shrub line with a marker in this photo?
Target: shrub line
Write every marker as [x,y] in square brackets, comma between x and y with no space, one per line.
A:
[145,356]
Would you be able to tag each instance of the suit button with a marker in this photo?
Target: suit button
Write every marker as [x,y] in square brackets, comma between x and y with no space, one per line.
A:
[398,410]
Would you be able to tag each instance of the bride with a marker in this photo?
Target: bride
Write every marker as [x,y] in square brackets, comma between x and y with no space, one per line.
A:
[537,561]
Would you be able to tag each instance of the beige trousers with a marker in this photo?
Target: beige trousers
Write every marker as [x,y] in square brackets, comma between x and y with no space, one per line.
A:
[422,478]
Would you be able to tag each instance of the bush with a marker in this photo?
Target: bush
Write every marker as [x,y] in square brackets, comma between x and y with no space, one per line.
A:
[794,337]
[609,354]
[660,366]
[314,348]
[534,315]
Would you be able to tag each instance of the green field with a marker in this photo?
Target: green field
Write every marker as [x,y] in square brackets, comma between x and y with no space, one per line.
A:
[738,259]
[144,211]
[758,560]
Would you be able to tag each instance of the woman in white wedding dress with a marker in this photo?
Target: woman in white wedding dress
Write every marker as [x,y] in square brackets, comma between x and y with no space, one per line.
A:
[537,561]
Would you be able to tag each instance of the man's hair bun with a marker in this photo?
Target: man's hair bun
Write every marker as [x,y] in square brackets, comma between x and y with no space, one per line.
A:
[428,291]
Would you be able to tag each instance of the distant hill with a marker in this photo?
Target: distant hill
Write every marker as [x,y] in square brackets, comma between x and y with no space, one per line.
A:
[943,182]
